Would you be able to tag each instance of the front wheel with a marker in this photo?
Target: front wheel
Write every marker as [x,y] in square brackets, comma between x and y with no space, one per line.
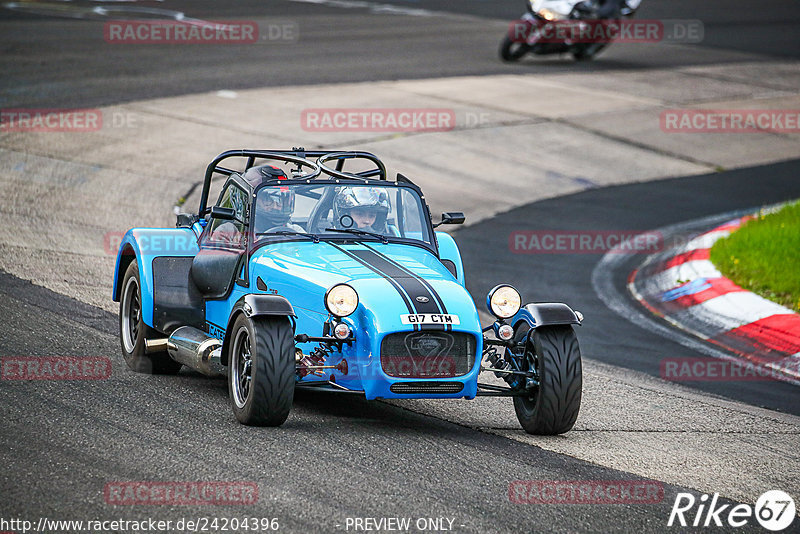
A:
[512,50]
[261,370]
[551,407]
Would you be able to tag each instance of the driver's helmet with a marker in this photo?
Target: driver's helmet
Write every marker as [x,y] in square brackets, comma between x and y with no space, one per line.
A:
[367,206]
[274,204]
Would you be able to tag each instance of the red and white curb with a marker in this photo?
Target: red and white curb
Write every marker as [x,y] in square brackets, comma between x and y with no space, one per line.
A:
[683,287]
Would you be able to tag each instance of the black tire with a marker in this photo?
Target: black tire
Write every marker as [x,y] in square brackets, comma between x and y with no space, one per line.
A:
[511,50]
[554,405]
[261,391]
[133,331]
[587,53]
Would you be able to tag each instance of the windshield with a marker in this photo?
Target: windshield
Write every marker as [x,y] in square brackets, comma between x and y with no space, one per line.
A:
[333,210]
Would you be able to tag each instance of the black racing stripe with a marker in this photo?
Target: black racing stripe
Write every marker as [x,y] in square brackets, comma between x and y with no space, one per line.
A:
[411,273]
[408,272]
[412,284]
[406,297]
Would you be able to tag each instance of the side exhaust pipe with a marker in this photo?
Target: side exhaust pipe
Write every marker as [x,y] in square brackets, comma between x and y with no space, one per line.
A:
[197,350]
[155,345]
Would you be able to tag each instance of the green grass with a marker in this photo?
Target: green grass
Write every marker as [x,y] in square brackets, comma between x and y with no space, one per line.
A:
[763,256]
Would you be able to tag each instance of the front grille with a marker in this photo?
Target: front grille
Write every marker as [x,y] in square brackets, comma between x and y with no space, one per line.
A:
[412,388]
[427,354]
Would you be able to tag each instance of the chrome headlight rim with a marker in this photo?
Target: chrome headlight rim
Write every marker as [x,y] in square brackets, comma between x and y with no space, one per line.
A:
[493,306]
[332,292]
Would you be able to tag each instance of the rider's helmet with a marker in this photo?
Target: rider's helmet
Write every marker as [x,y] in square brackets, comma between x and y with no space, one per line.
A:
[274,203]
[367,206]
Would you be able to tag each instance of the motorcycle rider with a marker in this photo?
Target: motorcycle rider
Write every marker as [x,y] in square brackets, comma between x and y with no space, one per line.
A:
[367,206]
[605,13]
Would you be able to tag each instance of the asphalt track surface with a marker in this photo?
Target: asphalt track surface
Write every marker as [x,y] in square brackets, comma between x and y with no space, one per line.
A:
[340,456]
[53,62]
[626,210]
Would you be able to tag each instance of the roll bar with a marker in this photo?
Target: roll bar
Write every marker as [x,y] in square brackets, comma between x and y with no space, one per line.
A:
[298,156]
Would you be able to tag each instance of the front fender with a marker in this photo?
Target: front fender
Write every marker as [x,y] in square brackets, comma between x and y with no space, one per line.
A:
[546,314]
[258,305]
[143,245]
[128,251]
[450,256]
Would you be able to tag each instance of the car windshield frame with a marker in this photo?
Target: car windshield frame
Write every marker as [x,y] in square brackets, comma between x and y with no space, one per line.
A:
[258,240]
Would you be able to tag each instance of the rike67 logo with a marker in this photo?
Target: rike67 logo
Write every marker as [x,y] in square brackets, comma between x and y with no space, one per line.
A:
[774,510]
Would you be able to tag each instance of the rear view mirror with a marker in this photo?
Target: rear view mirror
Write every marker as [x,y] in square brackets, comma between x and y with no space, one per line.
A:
[225,214]
[451,217]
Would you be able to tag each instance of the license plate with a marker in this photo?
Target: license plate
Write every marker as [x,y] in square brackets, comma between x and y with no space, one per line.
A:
[429,318]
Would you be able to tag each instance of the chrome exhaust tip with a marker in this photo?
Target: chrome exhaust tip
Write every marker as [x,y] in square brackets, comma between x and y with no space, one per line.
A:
[155,345]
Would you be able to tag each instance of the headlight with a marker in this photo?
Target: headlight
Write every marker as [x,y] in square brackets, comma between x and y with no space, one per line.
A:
[503,301]
[549,14]
[341,300]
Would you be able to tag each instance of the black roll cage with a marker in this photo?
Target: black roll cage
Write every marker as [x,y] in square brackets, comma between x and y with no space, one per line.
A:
[299,156]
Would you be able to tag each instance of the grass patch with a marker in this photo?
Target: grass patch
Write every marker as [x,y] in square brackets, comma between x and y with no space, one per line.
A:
[763,256]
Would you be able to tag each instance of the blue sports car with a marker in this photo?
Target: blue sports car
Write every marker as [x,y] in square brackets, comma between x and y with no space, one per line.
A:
[305,275]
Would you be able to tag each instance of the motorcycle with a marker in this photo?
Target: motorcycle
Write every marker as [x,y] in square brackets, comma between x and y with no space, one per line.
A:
[577,27]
